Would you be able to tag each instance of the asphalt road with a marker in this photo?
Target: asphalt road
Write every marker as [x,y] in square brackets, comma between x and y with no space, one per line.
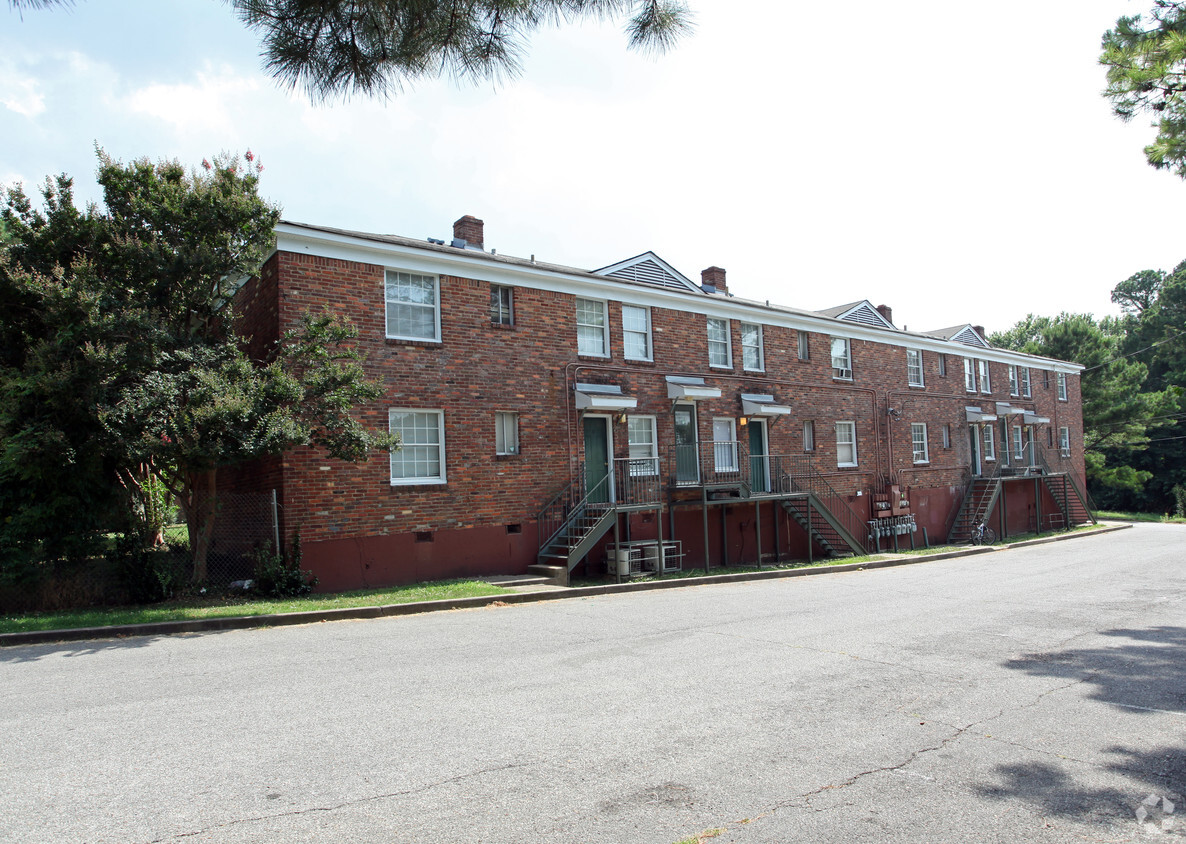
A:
[1037,694]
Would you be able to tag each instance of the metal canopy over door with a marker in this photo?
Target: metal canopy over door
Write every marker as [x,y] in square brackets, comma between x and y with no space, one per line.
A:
[598,483]
[687,458]
[759,465]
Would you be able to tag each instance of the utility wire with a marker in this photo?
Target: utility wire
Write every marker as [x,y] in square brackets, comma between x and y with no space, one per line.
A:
[1137,352]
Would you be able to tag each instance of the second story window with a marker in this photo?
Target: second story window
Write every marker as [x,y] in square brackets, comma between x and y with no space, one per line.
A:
[412,303]
[1023,376]
[1013,379]
[841,358]
[591,328]
[985,382]
[914,367]
[969,375]
[751,347]
[636,332]
[846,444]
[720,352]
[502,304]
[942,366]
[1062,386]
[804,346]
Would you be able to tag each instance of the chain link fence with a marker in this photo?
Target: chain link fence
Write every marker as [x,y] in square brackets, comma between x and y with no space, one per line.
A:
[244,524]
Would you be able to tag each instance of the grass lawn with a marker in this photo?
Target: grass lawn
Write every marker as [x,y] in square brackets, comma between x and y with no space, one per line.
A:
[1164,518]
[223,606]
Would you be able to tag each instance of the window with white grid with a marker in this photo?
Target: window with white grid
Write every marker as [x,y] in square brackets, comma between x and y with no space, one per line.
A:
[985,381]
[1064,442]
[412,306]
[841,358]
[914,368]
[990,442]
[846,444]
[591,328]
[752,357]
[420,458]
[1062,386]
[918,441]
[644,451]
[720,351]
[1023,376]
[1013,379]
[506,433]
[636,332]
[969,375]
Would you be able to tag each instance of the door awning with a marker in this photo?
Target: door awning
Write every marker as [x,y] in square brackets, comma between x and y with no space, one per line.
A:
[603,397]
[1006,409]
[687,387]
[1034,419]
[756,404]
[975,414]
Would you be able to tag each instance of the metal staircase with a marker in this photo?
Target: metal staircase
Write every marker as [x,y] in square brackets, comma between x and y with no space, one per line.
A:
[1071,502]
[821,526]
[571,524]
[980,498]
[812,502]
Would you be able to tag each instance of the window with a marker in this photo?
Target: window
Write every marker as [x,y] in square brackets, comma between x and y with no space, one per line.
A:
[969,375]
[506,433]
[411,302]
[421,455]
[804,346]
[1045,379]
[914,367]
[1012,379]
[1018,443]
[846,444]
[1050,437]
[808,435]
[985,383]
[990,442]
[751,347]
[636,332]
[591,328]
[942,366]
[1064,442]
[1024,376]
[502,310]
[918,441]
[720,352]
[1062,386]
[947,436]
[724,445]
[841,358]
[644,455]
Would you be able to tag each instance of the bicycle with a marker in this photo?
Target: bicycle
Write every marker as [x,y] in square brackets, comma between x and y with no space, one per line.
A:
[982,534]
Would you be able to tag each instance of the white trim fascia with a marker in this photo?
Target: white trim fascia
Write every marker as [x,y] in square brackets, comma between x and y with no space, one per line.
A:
[486,267]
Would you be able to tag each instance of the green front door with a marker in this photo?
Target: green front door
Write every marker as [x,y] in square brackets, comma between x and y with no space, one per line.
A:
[597,482]
[687,457]
[759,471]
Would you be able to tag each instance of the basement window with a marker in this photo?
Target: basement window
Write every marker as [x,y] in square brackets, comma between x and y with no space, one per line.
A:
[424,536]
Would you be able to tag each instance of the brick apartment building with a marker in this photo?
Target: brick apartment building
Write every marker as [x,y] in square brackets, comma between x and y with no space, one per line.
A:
[552,416]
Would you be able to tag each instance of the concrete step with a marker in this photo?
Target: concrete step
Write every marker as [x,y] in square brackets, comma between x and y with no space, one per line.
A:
[557,575]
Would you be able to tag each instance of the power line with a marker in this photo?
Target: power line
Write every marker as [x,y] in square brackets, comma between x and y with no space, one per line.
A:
[1137,352]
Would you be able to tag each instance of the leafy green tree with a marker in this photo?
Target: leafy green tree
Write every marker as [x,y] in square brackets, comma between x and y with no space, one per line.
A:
[118,353]
[1146,60]
[372,47]
[1119,409]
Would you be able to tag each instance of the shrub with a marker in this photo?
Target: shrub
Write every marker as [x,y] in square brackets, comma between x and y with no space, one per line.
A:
[276,577]
[149,575]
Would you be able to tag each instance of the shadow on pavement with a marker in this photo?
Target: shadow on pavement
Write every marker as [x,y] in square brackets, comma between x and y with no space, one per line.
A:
[32,653]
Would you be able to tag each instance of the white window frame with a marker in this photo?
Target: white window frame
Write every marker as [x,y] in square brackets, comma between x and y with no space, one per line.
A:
[721,326]
[752,350]
[846,437]
[506,433]
[808,435]
[942,365]
[919,445]
[988,437]
[946,435]
[724,452]
[1023,375]
[1064,441]
[500,315]
[602,328]
[643,453]
[393,304]
[1013,391]
[985,377]
[804,345]
[842,363]
[969,375]
[1018,444]
[1062,386]
[406,447]
[644,334]
[914,373]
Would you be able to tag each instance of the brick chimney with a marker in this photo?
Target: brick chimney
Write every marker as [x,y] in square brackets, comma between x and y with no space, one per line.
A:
[713,277]
[979,329]
[469,229]
[887,312]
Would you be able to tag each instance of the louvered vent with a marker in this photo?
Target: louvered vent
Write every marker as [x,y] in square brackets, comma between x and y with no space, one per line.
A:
[648,272]
[865,315]
[970,338]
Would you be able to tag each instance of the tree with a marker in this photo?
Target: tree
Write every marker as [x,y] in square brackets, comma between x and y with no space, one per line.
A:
[118,351]
[1146,61]
[1119,409]
[339,47]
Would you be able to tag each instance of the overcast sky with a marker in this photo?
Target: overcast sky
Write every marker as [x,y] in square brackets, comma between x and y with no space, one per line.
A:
[952,160]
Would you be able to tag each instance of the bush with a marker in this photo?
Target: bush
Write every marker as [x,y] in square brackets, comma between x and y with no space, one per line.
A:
[276,577]
[150,575]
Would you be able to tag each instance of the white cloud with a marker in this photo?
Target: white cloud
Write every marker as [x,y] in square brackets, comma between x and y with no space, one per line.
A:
[22,94]
[209,105]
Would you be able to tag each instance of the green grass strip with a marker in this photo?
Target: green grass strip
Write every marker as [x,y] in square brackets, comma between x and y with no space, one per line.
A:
[222,606]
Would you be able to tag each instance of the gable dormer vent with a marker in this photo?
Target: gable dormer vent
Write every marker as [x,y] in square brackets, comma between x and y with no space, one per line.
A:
[648,272]
[865,315]
[969,337]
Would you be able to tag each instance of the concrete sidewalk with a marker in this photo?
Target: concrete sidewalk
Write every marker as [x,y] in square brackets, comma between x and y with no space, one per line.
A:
[522,589]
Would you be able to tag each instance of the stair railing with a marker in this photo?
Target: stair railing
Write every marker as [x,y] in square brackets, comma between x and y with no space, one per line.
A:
[638,481]
[800,475]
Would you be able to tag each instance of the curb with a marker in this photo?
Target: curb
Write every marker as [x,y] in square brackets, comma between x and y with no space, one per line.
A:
[169,628]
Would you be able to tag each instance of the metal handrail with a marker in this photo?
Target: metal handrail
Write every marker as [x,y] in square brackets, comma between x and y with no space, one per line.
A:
[565,508]
[800,474]
[637,481]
